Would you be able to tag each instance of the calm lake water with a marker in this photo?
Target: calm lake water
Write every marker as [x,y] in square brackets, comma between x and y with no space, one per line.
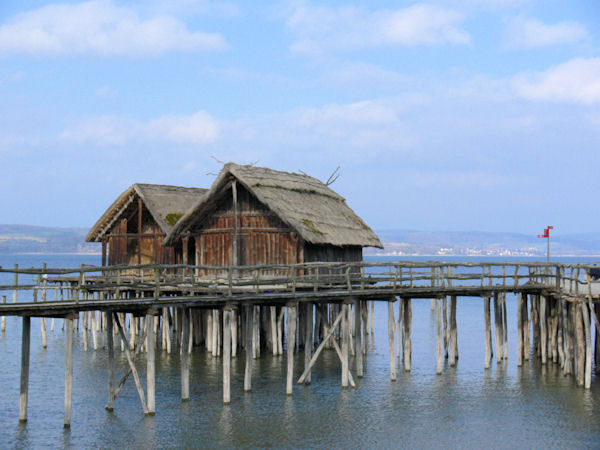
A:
[467,406]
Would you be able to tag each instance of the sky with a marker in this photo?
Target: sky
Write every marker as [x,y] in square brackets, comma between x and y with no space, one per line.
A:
[445,115]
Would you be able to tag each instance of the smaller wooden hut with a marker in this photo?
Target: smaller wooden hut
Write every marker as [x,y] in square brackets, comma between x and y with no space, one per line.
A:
[133,227]
[255,215]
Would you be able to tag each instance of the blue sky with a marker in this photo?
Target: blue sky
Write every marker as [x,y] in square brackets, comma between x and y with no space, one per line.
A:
[445,115]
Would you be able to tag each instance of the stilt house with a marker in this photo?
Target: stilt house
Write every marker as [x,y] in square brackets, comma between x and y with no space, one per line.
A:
[255,215]
[133,227]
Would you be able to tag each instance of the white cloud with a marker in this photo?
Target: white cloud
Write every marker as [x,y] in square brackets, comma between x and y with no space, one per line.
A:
[575,81]
[524,32]
[318,29]
[100,27]
[198,128]
[106,92]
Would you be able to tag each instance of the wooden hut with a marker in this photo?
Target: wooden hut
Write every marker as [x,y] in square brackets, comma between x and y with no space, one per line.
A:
[133,227]
[255,215]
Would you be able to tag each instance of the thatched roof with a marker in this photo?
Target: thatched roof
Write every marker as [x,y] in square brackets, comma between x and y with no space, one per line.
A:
[167,204]
[317,213]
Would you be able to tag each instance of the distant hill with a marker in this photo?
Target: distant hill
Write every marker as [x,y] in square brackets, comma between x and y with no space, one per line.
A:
[412,242]
[34,239]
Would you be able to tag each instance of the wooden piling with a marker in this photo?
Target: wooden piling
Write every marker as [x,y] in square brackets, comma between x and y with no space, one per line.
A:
[273,317]
[553,329]
[535,319]
[226,355]
[357,334]
[588,346]
[543,329]
[520,330]
[445,321]
[234,332]
[580,339]
[3,317]
[256,332]
[526,329]
[249,350]
[406,335]
[391,340]
[150,362]
[111,362]
[68,370]
[345,338]
[487,331]
[453,332]
[597,338]
[167,329]
[439,342]
[504,327]
[185,357]
[498,327]
[291,344]
[25,346]
[308,338]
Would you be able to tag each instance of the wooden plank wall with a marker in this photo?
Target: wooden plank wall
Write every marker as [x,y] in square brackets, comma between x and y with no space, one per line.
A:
[262,237]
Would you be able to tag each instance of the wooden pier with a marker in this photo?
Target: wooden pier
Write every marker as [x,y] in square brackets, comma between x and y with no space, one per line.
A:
[301,307]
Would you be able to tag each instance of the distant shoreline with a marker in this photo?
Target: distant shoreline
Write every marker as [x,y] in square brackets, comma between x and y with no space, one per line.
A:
[53,253]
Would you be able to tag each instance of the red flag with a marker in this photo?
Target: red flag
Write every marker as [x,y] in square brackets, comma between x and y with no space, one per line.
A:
[546,232]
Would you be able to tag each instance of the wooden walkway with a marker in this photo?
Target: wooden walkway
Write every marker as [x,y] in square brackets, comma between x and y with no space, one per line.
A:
[324,305]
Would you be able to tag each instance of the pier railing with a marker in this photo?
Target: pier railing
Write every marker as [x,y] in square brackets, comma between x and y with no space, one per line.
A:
[156,280]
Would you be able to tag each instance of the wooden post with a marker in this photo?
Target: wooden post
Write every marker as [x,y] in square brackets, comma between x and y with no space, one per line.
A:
[256,332]
[150,362]
[568,362]
[25,345]
[345,337]
[520,330]
[579,336]
[439,342]
[504,326]
[234,246]
[498,327]
[226,355]
[535,317]
[249,351]
[445,321]
[453,332]
[597,339]
[487,330]
[167,329]
[543,329]
[391,340]
[273,317]
[291,344]
[553,337]
[399,328]
[588,346]
[43,319]
[234,332]
[185,357]
[357,334]
[280,330]
[526,329]
[3,317]
[406,338]
[372,317]
[308,338]
[111,362]
[68,370]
